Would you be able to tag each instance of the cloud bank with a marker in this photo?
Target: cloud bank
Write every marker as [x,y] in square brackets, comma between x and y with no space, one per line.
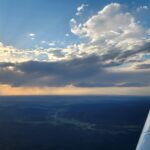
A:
[113,54]
[79,72]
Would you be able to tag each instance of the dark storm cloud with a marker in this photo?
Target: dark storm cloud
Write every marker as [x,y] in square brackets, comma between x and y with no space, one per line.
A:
[76,68]
[60,73]
[81,72]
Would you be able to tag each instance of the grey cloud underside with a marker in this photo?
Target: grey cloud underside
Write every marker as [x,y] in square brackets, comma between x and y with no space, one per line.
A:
[119,57]
[143,66]
[81,72]
[60,73]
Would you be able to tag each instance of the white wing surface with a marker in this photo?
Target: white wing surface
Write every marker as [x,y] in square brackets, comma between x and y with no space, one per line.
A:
[144,141]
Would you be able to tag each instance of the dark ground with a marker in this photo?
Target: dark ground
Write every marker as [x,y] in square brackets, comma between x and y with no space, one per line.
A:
[72,122]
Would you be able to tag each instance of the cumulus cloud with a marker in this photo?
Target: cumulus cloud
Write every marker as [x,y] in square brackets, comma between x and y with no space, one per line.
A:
[110,25]
[114,41]
[114,34]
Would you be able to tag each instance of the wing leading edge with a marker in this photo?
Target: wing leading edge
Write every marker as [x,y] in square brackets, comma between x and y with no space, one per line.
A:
[144,141]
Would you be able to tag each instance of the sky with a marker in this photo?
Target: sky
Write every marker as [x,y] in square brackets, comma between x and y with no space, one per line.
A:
[67,47]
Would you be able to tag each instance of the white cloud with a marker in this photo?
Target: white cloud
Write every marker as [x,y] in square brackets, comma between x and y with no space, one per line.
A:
[140,8]
[80,9]
[12,54]
[112,33]
[67,34]
[43,42]
[76,28]
[32,38]
[31,34]
[110,27]
[108,23]
[52,43]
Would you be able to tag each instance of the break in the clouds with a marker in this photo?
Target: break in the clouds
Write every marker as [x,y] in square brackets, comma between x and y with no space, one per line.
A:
[114,51]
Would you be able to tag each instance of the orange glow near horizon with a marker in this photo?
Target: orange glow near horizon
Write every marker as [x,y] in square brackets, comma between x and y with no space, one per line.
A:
[7,90]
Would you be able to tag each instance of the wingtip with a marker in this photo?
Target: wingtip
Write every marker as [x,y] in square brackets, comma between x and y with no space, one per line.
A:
[144,141]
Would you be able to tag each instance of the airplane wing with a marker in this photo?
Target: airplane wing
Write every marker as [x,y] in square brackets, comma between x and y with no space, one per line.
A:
[144,141]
